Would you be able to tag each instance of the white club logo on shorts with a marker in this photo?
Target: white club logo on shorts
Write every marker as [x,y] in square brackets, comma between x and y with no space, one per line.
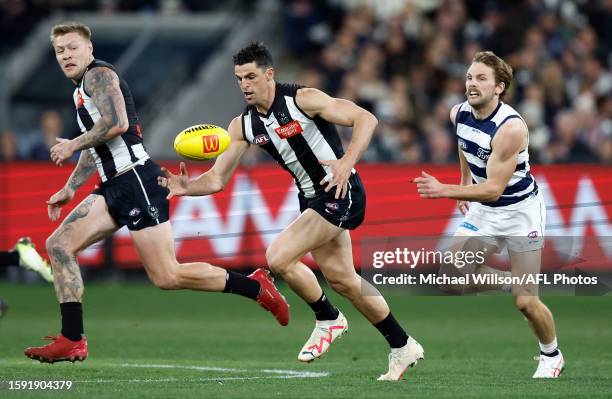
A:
[153,211]
[135,212]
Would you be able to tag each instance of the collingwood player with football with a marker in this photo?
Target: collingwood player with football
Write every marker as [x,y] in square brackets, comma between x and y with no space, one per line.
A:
[128,195]
[296,126]
[498,195]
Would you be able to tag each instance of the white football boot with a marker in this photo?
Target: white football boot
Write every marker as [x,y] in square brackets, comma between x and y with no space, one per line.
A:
[402,358]
[324,333]
[550,367]
[30,259]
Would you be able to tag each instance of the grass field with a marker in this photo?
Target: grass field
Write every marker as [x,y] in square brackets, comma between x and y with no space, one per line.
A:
[148,343]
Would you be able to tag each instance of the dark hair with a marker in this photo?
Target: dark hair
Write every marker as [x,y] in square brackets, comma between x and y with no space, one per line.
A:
[501,70]
[254,51]
[69,27]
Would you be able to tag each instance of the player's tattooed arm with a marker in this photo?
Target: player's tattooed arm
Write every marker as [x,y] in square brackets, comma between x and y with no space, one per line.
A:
[84,169]
[103,84]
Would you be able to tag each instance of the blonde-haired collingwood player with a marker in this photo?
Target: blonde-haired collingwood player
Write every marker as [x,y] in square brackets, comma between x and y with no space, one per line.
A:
[506,207]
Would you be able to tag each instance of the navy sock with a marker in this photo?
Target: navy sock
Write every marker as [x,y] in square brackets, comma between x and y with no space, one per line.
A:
[236,283]
[323,309]
[392,331]
[72,320]
[9,258]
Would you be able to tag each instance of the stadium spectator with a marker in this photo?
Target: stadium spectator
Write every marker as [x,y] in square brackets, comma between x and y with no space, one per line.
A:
[51,127]
[404,61]
[8,146]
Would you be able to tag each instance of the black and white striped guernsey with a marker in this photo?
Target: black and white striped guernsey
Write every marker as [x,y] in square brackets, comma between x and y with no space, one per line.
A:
[122,152]
[475,137]
[296,141]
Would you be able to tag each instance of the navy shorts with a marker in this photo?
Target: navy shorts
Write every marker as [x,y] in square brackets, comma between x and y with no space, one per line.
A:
[134,199]
[347,213]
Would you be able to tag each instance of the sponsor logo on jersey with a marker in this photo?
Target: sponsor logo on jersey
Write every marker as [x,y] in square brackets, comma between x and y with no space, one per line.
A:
[462,144]
[261,139]
[483,154]
[211,144]
[289,130]
[533,234]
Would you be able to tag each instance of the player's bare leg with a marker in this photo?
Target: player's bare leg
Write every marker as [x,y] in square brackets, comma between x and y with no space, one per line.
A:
[335,258]
[306,232]
[538,315]
[465,243]
[155,245]
[88,223]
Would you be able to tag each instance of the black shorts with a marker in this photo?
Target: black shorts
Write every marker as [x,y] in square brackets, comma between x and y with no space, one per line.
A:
[134,198]
[347,213]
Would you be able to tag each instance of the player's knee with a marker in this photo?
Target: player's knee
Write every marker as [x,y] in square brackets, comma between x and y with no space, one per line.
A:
[526,304]
[56,248]
[277,261]
[167,281]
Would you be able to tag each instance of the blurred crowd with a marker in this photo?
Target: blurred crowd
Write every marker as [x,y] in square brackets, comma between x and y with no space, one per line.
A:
[405,60]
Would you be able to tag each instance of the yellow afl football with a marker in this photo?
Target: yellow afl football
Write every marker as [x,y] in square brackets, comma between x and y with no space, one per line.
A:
[201,142]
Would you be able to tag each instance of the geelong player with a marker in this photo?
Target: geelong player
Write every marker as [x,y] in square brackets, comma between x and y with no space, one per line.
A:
[506,208]
[296,126]
[128,195]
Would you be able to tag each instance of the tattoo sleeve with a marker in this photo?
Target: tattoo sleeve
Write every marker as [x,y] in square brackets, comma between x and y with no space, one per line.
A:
[103,84]
[85,167]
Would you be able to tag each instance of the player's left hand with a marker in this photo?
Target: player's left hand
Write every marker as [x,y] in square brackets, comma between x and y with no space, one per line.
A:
[341,170]
[62,151]
[429,187]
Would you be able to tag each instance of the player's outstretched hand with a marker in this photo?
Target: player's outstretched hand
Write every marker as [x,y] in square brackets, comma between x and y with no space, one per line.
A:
[176,184]
[341,170]
[57,200]
[429,187]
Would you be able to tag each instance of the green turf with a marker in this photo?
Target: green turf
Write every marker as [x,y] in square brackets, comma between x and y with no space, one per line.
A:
[475,347]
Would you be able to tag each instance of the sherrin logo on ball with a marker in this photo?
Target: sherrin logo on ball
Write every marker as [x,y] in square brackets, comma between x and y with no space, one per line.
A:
[201,142]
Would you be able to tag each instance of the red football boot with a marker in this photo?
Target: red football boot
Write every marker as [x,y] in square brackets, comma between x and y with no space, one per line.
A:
[269,298]
[61,349]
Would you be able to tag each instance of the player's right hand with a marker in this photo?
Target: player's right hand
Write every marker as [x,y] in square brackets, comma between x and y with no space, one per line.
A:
[463,206]
[176,184]
[57,200]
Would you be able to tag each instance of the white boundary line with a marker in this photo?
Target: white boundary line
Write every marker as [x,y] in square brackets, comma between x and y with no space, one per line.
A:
[275,374]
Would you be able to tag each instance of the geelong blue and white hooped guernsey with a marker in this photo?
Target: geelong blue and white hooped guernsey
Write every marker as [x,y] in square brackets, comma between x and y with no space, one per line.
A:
[121,153]
[296,141]
[475,137]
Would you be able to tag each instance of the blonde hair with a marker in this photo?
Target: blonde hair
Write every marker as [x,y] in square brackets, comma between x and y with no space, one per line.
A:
[69,27]
[501,70]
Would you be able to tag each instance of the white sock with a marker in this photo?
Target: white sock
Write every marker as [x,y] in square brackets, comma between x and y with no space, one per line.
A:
[549,348]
